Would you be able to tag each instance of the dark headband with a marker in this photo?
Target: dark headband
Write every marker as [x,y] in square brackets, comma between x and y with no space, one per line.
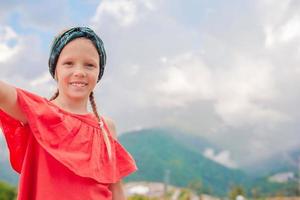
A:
[71,34]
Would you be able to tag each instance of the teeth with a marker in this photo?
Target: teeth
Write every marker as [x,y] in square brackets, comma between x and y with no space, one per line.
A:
[79,84]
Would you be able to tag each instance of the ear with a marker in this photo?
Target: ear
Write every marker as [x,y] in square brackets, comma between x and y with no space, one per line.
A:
[55,76]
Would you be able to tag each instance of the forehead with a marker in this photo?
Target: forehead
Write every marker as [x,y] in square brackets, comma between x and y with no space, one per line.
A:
[82,46]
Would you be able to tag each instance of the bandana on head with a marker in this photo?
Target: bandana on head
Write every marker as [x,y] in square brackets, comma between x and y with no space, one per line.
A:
[71,34]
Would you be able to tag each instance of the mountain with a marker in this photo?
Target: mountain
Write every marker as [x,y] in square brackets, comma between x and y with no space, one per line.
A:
[169,154]
[277,175]
[158,152]
[7,174]
[289,162]
[192,142]
[264,187]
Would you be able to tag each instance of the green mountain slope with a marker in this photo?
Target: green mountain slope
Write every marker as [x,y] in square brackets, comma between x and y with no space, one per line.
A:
[155,151]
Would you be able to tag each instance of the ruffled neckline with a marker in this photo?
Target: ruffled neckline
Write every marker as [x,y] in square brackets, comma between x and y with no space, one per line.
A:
[67,112]
[89,118]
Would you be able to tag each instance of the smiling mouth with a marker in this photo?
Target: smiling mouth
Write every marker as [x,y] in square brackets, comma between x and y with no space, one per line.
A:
[78,84]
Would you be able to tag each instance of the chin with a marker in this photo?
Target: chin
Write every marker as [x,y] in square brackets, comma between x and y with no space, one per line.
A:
[78,96]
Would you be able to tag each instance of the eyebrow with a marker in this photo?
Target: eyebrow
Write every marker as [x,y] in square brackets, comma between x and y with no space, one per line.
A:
[86,60]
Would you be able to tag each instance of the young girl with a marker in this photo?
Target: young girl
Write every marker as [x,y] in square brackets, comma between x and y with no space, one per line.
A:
[60,149]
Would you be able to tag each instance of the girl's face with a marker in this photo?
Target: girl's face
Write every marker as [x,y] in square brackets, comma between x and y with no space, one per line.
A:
[77,69]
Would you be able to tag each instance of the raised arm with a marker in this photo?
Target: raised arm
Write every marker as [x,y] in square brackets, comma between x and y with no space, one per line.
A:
[8,102]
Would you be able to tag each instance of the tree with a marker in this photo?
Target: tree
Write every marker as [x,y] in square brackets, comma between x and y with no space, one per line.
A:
[236,191]
[7,192]
[141,197]
[196,186]
[185,194]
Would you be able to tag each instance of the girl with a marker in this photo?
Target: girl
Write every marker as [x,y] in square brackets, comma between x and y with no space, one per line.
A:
[60,149]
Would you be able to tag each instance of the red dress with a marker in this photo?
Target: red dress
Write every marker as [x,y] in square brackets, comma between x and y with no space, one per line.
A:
[62,155]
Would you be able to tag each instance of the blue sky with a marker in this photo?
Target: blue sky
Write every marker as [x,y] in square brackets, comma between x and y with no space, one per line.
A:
[225,70]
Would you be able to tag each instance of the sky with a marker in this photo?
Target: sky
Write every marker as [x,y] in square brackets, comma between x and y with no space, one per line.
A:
[227,71]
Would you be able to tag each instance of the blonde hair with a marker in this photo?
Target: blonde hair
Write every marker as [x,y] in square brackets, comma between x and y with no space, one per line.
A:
[101,122]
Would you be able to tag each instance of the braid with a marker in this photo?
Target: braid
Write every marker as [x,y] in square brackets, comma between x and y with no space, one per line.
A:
[94,106]
[105,134]
[54,95]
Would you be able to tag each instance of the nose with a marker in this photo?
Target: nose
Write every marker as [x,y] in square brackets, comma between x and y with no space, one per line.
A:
[79,72]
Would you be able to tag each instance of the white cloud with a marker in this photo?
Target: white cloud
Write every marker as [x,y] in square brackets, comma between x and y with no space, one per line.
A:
[7,33]
[273,11]
[238,93]
[280,22]
[185,78]
[287,32]
[149,4]
[122,10]
[42,79]
[244,91]
[223,157]
[134,70]
[291,29]
[7,36]
[126,13]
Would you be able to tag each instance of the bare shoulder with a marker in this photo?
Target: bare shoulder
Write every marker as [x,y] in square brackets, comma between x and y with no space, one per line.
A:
[111,126]
[8,102]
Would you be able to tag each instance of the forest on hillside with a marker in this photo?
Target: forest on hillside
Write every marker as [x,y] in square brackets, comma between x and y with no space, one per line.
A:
[7,192]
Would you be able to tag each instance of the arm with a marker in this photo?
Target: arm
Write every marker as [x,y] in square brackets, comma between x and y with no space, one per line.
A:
[117,191]
[115,188]
[8,102]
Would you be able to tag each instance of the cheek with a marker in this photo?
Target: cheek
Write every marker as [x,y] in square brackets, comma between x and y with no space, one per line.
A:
[93,83]
[93,76]
[61,73]
[62,79]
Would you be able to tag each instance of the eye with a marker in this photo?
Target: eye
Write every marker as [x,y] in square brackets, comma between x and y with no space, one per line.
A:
[90,65]
[68,63]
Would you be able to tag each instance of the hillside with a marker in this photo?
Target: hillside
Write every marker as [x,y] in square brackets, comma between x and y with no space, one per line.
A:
[7,174]
[289,161]
[156,151]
